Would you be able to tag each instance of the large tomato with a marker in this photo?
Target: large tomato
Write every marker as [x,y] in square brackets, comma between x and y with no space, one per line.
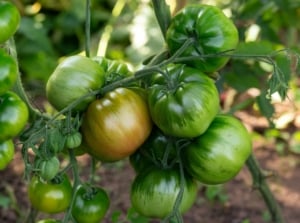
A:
[50,197]
[218,155]
[116,125]
[90,205]
[154,192]
[9,20]
[211,31]
[8,71]
[184,103]
[7,151]
[13,115]
[73,78]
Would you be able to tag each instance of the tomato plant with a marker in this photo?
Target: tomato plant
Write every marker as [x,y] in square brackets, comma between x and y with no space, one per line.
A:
[73,78]
[7,151]
[90,205]
[13,115]
[154,192]
[8,72]
[184,103]
[50,197]
[209,29]
[115,125]
[9,20]
[219,154]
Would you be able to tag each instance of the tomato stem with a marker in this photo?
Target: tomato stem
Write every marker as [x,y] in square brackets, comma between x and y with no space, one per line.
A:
[259,183]
[18,88]
[87,28]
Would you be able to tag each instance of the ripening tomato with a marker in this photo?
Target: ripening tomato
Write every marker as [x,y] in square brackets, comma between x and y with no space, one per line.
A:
[115,125]
[50,197]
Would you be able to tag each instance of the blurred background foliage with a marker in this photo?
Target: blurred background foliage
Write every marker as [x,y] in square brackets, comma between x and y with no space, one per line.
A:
[127,30]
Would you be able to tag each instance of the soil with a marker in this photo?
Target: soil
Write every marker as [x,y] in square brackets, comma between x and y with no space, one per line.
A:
[236,202]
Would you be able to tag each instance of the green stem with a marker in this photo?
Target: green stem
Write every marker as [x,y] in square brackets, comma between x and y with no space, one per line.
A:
[18,88]
[259,182]
[87,28]
[76,183]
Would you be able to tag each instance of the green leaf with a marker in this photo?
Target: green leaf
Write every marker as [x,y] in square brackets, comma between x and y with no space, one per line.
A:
[163,14]
[115,217]
[255,48]
[265,107]
[4,201]
[134,217]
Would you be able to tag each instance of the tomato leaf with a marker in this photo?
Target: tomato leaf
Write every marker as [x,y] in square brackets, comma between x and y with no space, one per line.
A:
[265,107]
[163,15]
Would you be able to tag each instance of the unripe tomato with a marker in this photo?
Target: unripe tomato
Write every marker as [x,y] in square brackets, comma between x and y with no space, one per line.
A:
[9,20]
[13,115]
[211,31]
[116,125]
[219,154]
[73,140]
[73,78]
[7,151]
[90,206]
[8,71]
[154,192]
[50,197]
[49,168]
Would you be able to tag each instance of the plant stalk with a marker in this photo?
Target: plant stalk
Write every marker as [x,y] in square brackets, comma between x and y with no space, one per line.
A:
[260,183]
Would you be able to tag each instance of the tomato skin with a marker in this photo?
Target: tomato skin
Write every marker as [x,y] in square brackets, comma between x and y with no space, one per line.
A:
[90,208]
[211,30]
[73,78]
[187,108]
[7,151]
[114,70]
[154,191]
[50,197]
[218,155]
[49,168]
[116,125]
[9,20]
[13,115]
[49,220]
[8,72]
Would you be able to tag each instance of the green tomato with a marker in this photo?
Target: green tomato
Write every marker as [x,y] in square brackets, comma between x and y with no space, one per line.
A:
[211,31]
[219,154]
[184,105]
[90,206]
[114,70]
[156,150]
[73,140]
[115,125]
[73,78]
[8,71]
[7,151]
[154,192]
[50,197]
[49,168]
[13,115]
[9,20]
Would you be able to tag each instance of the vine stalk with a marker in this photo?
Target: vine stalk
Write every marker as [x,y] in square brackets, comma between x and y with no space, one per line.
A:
[260,183]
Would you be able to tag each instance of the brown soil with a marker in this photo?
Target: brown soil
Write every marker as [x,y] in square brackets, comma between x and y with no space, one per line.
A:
[244,204]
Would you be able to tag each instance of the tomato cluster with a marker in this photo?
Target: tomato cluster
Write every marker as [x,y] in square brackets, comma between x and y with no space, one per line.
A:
[168,124]
[13,111]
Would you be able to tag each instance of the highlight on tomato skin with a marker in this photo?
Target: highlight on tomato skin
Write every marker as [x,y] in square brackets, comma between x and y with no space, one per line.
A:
[115,125]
